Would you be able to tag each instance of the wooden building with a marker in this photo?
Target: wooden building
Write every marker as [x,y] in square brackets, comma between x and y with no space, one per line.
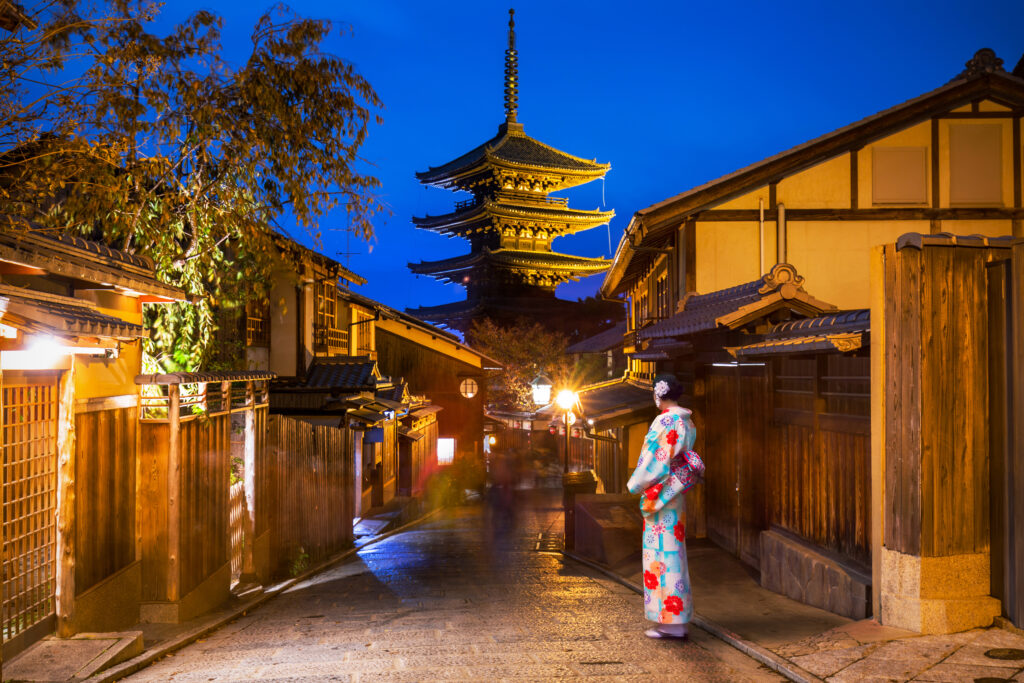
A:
[787,401]
[510,223]
[342,357]
[70,348]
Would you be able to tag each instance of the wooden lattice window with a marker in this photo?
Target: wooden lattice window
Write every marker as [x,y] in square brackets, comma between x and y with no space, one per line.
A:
[330,333]
[257,323]
[28,421]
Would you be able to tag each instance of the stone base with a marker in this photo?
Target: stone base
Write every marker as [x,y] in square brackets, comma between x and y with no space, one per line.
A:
[935,595]
[609,527]
[110,605]
[802,572]
[210,594]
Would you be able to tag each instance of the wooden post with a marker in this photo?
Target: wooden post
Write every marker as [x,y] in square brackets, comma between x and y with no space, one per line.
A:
[65,591]
[174,492]
[249,473]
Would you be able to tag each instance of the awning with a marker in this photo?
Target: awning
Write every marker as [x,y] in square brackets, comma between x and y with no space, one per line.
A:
[425,411]
[61,316]
[844,332]
[612,404]
[411,434]
[732,308]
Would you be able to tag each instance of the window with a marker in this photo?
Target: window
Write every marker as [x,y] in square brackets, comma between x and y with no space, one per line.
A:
[661,296]
[257,323]
[330,334]
[445,451]
[976,164]
[899,175]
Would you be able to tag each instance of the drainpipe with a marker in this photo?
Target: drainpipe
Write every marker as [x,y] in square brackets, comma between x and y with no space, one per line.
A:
[780,227]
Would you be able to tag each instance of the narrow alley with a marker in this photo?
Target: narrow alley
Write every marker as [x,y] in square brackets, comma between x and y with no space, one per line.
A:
[463,597]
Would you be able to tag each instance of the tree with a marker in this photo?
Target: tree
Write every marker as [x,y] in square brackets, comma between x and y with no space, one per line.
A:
[525,350]
[162,148]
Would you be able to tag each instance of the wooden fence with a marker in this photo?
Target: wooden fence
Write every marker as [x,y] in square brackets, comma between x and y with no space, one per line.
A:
[236,523]
[819,453]
[311,490]
[183,503]
[105,453]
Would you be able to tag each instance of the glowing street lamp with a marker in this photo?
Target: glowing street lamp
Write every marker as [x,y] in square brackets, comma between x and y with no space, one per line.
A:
[541,387]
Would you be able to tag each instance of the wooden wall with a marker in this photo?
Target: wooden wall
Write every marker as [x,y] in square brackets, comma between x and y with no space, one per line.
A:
[936,384]
[311,490]
[105,442]
[819,452]
[437,376]
[205,488]
[183,541]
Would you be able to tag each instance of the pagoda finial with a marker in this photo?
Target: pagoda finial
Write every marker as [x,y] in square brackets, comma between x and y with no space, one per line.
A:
[511,71]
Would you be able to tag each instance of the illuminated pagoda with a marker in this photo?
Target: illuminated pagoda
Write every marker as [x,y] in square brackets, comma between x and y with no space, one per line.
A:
[510,222]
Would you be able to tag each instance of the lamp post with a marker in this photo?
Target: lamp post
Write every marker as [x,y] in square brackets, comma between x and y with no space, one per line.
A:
[566,400]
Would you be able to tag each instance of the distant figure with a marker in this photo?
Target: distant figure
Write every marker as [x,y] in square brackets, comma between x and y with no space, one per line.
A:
[666,469]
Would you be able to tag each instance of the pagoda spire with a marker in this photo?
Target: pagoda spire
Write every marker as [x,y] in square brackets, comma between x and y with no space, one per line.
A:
[511,71]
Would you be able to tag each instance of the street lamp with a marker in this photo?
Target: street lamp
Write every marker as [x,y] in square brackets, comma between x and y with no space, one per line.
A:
[566,400]
[541,387]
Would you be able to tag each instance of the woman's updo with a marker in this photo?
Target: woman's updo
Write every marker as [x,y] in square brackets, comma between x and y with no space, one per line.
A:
[667,386]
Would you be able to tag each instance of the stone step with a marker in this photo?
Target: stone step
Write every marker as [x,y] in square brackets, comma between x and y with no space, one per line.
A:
[73,659]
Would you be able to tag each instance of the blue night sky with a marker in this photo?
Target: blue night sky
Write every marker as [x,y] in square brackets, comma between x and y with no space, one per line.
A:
[672,94]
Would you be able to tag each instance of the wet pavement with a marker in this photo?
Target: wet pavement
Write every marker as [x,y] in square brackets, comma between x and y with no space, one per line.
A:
[466,596]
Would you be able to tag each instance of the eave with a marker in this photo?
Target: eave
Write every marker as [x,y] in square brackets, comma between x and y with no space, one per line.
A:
[488,215]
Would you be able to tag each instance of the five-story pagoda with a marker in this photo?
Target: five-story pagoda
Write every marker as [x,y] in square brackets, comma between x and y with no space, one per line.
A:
[510,271]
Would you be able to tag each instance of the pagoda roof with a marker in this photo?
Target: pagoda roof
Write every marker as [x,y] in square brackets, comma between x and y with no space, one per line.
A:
[573,267]
[513,149]
[479,217]
[456,310]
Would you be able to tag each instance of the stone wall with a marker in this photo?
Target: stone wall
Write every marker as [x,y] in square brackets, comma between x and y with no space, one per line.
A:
[802,572]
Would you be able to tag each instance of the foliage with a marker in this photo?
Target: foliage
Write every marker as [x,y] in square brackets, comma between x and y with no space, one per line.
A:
[160,147]
[299,562]
[525,350]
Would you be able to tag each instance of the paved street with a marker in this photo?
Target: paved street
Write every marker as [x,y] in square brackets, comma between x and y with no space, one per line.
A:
[454,600]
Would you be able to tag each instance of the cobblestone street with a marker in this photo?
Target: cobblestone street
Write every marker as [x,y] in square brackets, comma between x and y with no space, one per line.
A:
[454,600]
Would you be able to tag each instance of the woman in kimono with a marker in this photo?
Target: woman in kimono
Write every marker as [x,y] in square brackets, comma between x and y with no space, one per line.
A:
[666,469]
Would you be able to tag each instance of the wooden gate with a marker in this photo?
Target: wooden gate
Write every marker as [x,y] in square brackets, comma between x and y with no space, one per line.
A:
[28,421]
[1006,399]
[735,444]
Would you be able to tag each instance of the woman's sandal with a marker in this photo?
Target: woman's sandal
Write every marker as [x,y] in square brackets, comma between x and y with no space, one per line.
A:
[661,635]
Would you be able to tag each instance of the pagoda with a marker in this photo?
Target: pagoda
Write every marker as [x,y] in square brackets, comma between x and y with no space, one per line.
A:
[511,271]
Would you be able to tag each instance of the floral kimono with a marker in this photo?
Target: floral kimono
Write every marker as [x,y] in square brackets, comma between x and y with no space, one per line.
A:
[667,468]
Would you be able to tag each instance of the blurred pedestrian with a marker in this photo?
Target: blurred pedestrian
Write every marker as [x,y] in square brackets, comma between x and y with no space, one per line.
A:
[666,469]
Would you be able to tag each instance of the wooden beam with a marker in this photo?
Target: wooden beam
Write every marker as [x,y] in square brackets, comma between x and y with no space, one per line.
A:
[909,214]
[935,164]
[1016,164]
[65,590]
[854,179]
[174,493]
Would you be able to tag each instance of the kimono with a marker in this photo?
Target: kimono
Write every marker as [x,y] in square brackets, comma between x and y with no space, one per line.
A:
[666,469]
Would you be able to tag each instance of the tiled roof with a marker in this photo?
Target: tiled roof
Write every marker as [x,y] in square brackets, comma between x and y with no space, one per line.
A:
[522,258]
[736,306]
[702,311]
[513,146]
[348,373]
[82,259]
[600,342]
[61,316]
[482,216]
[843,332]
[613,401]
[205,377]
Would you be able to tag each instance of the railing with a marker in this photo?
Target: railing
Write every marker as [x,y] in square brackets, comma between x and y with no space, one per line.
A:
[330,339]
[200,399]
